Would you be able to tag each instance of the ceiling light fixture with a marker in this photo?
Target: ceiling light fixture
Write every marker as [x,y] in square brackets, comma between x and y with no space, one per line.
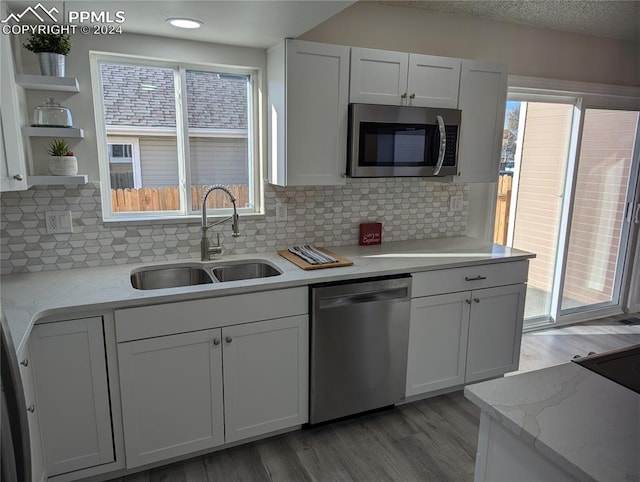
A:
[184,22]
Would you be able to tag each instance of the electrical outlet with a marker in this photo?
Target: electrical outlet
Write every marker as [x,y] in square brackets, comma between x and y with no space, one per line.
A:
[455,203]
[281,211]
[58,222]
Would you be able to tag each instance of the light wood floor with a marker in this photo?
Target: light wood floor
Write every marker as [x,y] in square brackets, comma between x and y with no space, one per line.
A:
[433,439]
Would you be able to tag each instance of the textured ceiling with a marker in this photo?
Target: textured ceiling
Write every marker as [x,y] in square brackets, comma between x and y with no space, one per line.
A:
[613,19]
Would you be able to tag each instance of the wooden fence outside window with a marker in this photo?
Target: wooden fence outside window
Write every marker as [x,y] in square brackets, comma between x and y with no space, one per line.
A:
[501,227]
[168,198]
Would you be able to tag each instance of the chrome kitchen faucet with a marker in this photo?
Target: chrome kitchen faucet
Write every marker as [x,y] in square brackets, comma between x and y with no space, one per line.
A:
[206,250]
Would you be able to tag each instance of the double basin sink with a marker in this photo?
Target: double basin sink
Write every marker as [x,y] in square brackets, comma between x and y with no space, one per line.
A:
[158,277]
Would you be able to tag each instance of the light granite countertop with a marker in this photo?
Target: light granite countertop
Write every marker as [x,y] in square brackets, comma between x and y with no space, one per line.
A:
[32,297]
[584,422]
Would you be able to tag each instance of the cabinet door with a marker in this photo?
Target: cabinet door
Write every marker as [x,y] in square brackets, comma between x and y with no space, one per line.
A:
[13,170]
[266,371]
[26,372]
[317,86]
[495,331]
[437,342]
[433,81]
[378,76]
[483,93]
[171,389]
[70,374]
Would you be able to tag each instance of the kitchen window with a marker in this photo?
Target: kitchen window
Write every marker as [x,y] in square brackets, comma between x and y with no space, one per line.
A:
[168,131]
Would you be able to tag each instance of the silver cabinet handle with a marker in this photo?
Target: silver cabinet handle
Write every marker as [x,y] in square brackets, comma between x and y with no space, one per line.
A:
[477,300]
[412,96]
[216,341]
[467,302]
[443,145]
[477,278]
[228,339]
[403,96]
[31,408]
[25,362]
[18,177]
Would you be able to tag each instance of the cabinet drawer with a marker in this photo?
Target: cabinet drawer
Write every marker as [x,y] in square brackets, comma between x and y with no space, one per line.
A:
[429,283]
[185,316]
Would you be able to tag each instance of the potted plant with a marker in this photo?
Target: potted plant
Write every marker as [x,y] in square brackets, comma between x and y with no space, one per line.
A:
[62,162]
[51,50]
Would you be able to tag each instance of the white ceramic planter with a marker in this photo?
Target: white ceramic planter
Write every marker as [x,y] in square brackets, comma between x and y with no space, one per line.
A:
[63,165]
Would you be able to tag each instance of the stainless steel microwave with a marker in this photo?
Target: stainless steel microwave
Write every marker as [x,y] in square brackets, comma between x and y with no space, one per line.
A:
[402,141]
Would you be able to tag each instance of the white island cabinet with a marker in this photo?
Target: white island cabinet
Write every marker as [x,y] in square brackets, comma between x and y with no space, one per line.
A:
[235,367]
[466,325]
[308,84]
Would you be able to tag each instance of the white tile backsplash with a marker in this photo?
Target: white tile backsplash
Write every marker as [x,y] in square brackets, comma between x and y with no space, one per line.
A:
[409,208]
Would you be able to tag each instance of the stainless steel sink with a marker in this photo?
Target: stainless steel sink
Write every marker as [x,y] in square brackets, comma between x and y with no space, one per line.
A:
[248,270]
[169,277]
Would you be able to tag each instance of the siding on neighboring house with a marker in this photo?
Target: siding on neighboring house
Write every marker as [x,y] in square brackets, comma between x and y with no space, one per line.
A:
[158,161]
[213,161]
[218,161]
[542,177]
[603,173]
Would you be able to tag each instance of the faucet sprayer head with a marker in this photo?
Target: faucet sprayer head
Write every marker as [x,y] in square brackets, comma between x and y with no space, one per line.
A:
[235,225]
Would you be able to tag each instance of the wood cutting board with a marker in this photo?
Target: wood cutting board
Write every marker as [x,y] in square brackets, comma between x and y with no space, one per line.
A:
[298,261]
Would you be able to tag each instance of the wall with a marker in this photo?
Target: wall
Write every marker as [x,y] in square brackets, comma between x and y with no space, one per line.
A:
[408,208]
[528,51]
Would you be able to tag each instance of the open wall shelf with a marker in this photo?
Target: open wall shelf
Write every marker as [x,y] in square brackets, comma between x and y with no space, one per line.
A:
[47,82]
[53,132]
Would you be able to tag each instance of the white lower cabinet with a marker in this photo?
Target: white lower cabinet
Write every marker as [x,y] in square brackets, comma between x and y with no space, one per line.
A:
[465,336]
[266,367]
[72,394]
[436,355]
[33,412]
[171,389]
[495,332]
[193,391]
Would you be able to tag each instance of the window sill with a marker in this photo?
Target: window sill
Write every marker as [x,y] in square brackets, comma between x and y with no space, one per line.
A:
[194,219]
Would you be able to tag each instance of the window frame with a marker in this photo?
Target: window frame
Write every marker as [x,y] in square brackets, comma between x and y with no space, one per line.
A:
[182,136]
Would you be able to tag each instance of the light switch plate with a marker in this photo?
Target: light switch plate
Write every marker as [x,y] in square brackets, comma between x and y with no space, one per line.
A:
[58,222]
[455,203]
[281,211]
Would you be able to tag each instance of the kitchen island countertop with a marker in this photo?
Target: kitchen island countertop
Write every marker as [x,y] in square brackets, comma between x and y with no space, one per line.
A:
[584,423]
[28,298]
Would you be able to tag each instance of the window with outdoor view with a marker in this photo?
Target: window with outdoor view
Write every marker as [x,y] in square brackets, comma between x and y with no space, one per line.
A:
[170,132]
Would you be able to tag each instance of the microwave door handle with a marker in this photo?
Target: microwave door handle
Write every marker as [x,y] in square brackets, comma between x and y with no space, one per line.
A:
[443,145]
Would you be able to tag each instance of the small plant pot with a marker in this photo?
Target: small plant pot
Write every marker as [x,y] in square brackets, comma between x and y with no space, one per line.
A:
[63,165]
[51,64]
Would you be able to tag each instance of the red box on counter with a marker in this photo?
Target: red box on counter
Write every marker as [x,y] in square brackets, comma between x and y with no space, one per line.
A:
[370,233]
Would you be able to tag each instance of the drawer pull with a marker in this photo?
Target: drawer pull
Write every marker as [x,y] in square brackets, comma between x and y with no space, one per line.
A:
[228,339]
[477,278]
[25,362]
[216,341]
[467,302]
[31,408]
[477,300]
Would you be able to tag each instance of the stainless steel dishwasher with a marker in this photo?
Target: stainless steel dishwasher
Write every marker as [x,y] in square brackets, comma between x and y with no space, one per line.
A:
[359,338]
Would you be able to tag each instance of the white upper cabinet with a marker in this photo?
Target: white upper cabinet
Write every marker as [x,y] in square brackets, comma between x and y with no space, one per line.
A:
[13,164]
[378,76]
[483,93]
[308,86]
[398,78]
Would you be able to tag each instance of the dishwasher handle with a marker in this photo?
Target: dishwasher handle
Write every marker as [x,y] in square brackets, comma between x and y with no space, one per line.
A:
[400,294]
